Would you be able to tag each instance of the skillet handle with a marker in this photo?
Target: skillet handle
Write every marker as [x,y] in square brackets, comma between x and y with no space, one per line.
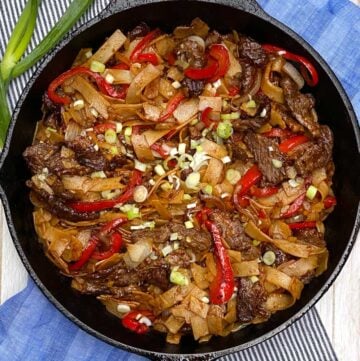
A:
[250,6]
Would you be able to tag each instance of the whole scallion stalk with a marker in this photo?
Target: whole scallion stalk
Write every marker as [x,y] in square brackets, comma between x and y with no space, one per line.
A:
[12,65]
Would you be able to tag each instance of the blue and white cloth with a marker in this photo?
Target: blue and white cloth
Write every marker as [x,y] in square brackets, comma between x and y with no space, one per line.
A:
[32,329]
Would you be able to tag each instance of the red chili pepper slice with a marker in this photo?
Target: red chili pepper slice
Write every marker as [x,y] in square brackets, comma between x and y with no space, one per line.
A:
[278,133]
[111,225]
[100,205]
[156,147]
[250,178]
[263,192]
[202,215]
[116,243]
[205,117]
[294,207]
[132,322]
[222,287]
[234,90]
[103,127]
[302,225]
[221,54]
[143,43]
[148,57]
[171,58]
[85,255]
[202,73]
[288,144]
[104,87]
[329,202]
[311,80]
[172,104]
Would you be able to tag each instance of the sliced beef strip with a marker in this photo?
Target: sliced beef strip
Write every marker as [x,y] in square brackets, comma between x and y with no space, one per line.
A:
[252,50]
[139,31]
[311,236]
[291,123]
[236,145]
[250,301]
[195,239]
[280,256]
[213,38]
[57,206]
[314,154]
[264,151]
[194,87]
[86,154]
[51,112]
[301,105]
[43,155]
[233,233]
[248,76]
[157,235]
[180,258]
[191,52]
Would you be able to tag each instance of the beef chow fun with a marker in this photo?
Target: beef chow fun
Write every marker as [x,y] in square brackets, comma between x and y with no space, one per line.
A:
[184,179]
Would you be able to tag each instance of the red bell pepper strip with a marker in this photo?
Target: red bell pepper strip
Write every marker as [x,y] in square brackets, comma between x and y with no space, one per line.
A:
[172,104]
[202,73]
[132,320]
[205,116]
[143,43]
[294,207]
[234,90]
[156,147]
[250,178]
[278,133]
[122,66]
[104,87]
[288,144]
[148,57]
[302,225]
[221,54]
[263,192]
[329,202]
[304,63]
[100,205]
[103,127]
[116,243]
[85,255]
[222,287]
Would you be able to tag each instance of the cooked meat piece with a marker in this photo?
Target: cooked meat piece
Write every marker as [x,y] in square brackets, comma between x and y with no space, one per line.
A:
[197,240]
[213,38]
[185,172]
[311,236]
[313,155]
[233,233]
[301,105]
[252,50]
[117,161]
[281,257]
[86,154]
[58,207]
[51,112]
[140,30]
[195,132]
[157,235]
[250,301]
[155,273]
[191,52]
[248,76]
[59,190]
[194,87]
[239,125]
[291,123]
[179,258]
[237,147]
[264,151]
[43,155]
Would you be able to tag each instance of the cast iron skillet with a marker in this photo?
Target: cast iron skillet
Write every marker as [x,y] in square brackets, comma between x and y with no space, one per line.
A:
[333,107]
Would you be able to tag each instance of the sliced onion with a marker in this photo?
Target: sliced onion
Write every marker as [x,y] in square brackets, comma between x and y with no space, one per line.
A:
[72,131]
[254,89]
[294,74]
[197,40]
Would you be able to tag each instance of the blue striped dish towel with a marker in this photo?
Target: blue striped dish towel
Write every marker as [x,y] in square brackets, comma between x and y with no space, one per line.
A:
[32,329]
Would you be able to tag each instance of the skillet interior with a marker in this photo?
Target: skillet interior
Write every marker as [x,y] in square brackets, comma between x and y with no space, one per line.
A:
[87,311]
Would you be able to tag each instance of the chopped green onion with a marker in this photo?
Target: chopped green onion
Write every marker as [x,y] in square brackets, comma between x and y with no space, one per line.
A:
[255,242]
[167,250]
[114,150]
[109,78]
[123,308]
[234,115]
[94,112]
[178,278]
[233,176]
[128,131]
[189,224]
[208,189]
[199,148]
[78,104]
[187,197]
[99,174]
[226,159]
[131,211]
[182,148]
[110,194]
[110,136]
[119,127]
[166,186]
[159,170]
[226,116]
[150,224]
[224,130]
[139,166]
[193,144]
[97,67]
[277,163]
[140,194]
[254,279]
[250,104]
[192,180]
[176,84]
[311,192]
[88,54]
[194,121]
[269,258]
[174,236]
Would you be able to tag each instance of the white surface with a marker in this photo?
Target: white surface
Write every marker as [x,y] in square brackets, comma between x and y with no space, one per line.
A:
[338,309]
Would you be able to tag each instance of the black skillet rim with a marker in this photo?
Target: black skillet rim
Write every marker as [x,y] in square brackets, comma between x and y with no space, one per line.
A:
[253,8]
